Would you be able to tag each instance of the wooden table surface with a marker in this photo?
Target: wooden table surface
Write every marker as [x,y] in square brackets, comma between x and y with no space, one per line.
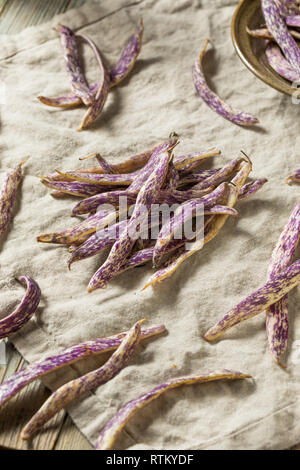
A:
[61,433]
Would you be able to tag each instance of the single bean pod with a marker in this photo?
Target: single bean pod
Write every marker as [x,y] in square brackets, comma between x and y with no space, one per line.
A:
[22,314]
[70,355]
[74,69]
[94,202]
[76,388]
[8,195]
[279,63]
[258,301]
[102,92]
[294,177]
[277,321]
[196,176]
[116,424]
[100,179]
[251,188]
[124,244]
[213,100]
[293,20]
[128,57]
[279,30]
[82,230]
[74,188]
[264,33]
[220,175]
[190,161]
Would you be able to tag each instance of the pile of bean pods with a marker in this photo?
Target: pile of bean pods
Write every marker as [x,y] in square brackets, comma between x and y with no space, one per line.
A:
[96,94]
[163,179]
[272,297]
[281,34]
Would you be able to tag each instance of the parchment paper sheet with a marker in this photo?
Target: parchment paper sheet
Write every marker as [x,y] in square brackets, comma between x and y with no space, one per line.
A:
[157,98]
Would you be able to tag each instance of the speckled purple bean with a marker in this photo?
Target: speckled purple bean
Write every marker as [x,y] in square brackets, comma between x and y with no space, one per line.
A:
[220,175]
[293,20]
[22,314]
[74,188]
[279,63]
[116,424]
[190,161]
[78,83]
[277,322]
[74,389]
[279,30]
[103,88]
[8,196]
[128,57]
[258,301]
[92,203]
[251,188]
[213,100]
[70,355]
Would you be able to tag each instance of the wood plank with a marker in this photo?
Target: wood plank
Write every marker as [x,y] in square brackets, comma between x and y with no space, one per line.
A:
[70,438]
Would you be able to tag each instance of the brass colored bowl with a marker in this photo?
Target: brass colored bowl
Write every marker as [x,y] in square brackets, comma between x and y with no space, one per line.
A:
[251,50]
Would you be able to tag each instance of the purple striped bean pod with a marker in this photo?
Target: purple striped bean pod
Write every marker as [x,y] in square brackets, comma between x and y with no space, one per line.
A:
[279,30]
[258,301]
[124,244]
[102,92]
[128,57]
[8,195]
[82,230]
[277,61]
[213,100]
[288,7]
[220,175]
[70,355]
[190,161]
[196,176]
[92,203]
[101,178]
[251,188]
[74,389]
[277,322]
[264,33]
[116,424]
[78,83]
[74,188]
[22,314]
[294,177]
[172,178]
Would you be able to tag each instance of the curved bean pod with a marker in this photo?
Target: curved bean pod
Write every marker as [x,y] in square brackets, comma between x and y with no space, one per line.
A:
[116,424]
[70,355]
[279,30]
[104,165]
[279,63]
[92,203]
[76,388]
[190,161]
[277,322]
[102,92]
[220,175]
[128,57]
[78,83]
[258,301]
[295,176]
[251,188]
[22,314]
[213,100]
[101,179]
[8,195]
[123,245]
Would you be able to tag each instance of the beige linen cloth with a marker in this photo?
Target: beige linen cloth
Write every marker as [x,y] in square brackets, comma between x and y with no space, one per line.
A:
[157,98]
